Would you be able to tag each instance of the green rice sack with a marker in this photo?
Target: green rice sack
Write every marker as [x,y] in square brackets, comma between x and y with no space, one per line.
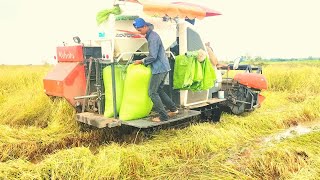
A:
[136,101]
[107,79]
[209,76]
[183,74]
[198,72]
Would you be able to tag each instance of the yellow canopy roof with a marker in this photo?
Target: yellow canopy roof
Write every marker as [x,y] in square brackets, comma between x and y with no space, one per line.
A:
[173,10]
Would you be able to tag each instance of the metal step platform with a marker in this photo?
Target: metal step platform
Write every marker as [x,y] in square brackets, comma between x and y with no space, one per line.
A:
[147,123]
[97,120]
[100,121]
[206,103]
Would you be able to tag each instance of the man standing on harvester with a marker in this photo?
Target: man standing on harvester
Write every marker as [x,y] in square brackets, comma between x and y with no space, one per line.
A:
[160,67]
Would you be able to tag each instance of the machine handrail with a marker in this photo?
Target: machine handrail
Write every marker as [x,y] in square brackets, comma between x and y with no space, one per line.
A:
[125,53]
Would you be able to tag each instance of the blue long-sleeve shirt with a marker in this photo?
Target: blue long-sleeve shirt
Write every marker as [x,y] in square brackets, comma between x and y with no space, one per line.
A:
[157,57]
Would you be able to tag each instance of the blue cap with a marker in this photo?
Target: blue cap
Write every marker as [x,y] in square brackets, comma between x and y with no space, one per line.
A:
[139,23]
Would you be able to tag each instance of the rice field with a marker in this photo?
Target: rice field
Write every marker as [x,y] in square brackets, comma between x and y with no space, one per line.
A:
[39,138]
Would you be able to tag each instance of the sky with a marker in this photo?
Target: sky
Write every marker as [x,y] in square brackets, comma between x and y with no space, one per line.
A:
[31,29]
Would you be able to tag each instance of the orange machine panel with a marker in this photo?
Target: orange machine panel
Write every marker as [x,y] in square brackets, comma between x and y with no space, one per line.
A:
[66,80]
[70,53]
[253,80]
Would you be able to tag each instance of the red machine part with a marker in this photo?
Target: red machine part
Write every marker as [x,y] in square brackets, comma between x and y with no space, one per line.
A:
[252,80]
[70,53]
[66,80]
[261,98]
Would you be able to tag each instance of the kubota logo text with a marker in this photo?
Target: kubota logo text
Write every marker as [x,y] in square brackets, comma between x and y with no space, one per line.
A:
[66,55]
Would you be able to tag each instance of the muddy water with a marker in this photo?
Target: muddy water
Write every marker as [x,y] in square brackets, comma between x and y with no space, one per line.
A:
[300,129]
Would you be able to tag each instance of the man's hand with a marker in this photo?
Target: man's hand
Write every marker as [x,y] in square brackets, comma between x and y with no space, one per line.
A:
[137,62]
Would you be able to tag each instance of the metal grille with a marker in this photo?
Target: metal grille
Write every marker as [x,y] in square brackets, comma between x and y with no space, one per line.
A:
[194,97]
[194,40]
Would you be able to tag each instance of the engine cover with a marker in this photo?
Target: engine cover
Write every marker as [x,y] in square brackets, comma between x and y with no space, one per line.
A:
[252,80]
[66,80]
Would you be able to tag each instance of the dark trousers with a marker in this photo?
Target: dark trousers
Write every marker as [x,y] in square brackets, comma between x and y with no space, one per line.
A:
[159,97]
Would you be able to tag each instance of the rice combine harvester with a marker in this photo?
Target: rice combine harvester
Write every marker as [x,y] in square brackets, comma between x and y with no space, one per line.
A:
[78,76]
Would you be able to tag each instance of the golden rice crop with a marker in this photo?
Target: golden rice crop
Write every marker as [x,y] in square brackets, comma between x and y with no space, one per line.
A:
[173,154]
[295,158]
[31,123]
[22,99]
[300,78]
[200,151]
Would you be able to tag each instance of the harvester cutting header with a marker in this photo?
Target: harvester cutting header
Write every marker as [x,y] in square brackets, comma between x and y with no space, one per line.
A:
[99,79]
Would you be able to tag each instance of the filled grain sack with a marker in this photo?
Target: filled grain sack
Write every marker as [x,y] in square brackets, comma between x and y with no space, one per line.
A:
[136,102]
[107,79]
